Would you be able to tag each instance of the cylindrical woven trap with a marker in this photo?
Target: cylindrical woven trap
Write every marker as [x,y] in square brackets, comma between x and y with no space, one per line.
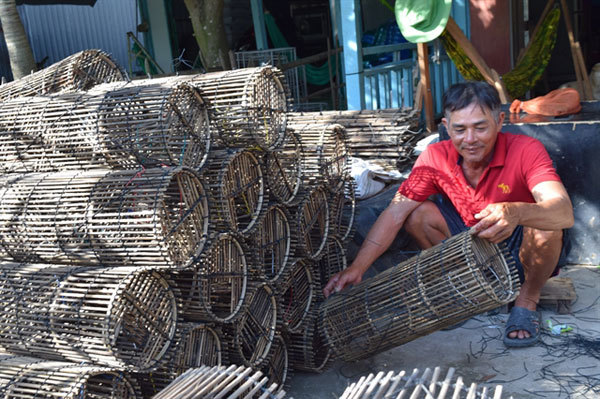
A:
[218,286]
[277,365]
[248,106]
[443,285]
[80,71]
[235,382]
[297,294]
[325,152]
[249,341]
[155,217]
[425,385]
[283,170]
[312,217]
[332,261]
[111,126]
[308,351]
[237,189]
[26,377]
[118,317]
[274,241]
[343,210]
[384,137]
[195,345]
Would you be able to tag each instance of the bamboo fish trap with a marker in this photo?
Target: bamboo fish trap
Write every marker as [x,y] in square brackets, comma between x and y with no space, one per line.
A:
[195,345]
[237,189]
[425,385]
[332,261]
[343,210]
[233,382]
[277,365]
[274,241]
[26,377]
[117,317]
[78,72]
[116,218]
[283,170]
[385,137]
[249,341]
[248,106]
[325,152]
[443,285]
[112,126]
[312,217]
[308,351]
[297,294]
[218,286]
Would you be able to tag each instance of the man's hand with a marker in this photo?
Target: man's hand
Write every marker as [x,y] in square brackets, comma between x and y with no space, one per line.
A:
[339,281]
[497,221]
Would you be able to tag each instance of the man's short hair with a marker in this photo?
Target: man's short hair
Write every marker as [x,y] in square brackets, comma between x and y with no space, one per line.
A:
[461,95]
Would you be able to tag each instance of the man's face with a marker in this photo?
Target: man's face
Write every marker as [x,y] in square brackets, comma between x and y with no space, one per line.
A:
[473,132]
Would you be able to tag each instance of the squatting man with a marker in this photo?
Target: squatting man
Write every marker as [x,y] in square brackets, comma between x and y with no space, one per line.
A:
[502,186]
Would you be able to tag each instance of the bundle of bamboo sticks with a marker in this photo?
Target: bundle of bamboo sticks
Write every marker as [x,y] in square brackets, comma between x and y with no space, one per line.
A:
[26,377]
[416,385]
[117,317]
[112,126]
[446,284]
[146,217]
[78,72]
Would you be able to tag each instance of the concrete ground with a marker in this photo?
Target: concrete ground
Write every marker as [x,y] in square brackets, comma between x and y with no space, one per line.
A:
[563,366]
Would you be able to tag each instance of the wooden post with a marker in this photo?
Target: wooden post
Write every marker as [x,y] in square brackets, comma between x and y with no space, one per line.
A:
[426,84]
[331,83]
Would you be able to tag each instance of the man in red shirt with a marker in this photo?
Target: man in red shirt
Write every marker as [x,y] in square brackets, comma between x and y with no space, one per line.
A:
[501,186]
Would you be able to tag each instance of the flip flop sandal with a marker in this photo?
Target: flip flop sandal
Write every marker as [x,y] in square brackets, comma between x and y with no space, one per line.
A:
[522,319]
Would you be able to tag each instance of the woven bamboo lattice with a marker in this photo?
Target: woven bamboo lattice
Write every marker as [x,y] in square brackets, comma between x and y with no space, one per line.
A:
[248,106]
[332,261]
[26,377]
[112,126]
[297,290]
[249,341]
[195,345]
[233,382]
[155,217]
[277,368]
[325,152]
[385,137]
[117,317]
[312,218]
[343,210]
[419,385]
[237,189]
[308,351]
[448,283]
[283,170]
[218,286]
[80,71]
[274,241]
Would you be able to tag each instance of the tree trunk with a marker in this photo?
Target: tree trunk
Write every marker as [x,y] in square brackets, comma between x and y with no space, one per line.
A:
[207,21]
[19,50]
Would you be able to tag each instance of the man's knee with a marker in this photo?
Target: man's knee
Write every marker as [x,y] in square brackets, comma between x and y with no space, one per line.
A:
[542,239]
[426,214]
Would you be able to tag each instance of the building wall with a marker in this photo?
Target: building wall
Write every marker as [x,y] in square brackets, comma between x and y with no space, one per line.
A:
[58,31]
[490,23]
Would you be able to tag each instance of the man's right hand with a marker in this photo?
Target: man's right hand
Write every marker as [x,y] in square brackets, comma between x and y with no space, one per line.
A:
[339,281]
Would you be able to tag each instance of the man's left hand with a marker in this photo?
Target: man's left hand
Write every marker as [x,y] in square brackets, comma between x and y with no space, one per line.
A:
[496,221]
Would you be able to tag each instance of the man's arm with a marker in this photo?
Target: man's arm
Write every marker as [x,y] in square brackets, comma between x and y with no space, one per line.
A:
[552,210]
[378,240]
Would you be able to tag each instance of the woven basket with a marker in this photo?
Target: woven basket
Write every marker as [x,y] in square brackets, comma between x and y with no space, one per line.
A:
[297,294]
[308,351]
[283,170]
[450,282]
[80,71]
[312,218]
[117,317]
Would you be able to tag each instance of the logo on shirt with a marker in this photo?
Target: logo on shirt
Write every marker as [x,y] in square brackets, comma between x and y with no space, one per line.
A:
[504,187]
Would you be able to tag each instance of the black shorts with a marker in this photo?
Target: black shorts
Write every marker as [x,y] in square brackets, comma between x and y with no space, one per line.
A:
[513,243]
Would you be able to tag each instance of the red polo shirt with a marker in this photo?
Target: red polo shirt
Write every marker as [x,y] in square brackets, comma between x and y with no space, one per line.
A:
[518,164]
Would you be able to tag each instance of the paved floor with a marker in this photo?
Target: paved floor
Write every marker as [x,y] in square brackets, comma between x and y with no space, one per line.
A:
[564,366]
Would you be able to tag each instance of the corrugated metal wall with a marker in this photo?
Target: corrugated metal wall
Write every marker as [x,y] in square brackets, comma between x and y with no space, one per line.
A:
[58,31]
